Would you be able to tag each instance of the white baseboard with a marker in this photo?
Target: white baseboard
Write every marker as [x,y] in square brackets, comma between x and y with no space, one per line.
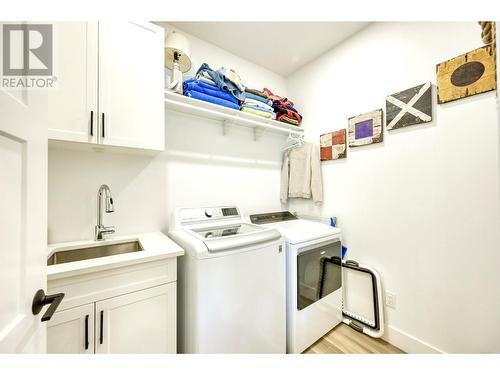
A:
[408,343]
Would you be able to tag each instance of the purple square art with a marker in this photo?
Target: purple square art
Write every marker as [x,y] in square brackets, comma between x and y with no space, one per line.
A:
[363,129]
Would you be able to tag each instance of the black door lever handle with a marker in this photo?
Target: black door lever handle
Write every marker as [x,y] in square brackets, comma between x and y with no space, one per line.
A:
[41,299]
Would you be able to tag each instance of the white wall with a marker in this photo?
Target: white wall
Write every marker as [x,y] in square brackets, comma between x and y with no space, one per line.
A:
[253,75]
[200,167]
[422,207]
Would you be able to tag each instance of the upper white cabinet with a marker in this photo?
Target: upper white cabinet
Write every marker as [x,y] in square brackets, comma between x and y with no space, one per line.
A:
[131,85]
[73,101]
[110,84]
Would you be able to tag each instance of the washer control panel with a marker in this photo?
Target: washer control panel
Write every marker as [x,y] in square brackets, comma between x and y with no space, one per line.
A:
[189,215]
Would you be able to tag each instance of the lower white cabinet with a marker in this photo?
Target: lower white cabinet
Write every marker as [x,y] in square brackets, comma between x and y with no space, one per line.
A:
[140,322]
[72,331]
[131,309]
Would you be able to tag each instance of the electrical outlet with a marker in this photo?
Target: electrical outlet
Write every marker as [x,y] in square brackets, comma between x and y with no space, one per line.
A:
[390,299]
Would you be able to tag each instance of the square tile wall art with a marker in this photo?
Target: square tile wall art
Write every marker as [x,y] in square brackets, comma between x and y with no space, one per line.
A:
[333,145]
[409,107]
[466,75]
[366,129]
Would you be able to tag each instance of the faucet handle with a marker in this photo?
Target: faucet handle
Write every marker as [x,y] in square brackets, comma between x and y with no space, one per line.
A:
[108,230]
[100,231]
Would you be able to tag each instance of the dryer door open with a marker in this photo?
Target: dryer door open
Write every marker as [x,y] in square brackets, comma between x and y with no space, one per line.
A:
[362,299]
[319,272]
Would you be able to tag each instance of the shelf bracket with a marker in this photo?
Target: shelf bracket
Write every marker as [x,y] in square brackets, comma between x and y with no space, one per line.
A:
[225,125]
[257,133]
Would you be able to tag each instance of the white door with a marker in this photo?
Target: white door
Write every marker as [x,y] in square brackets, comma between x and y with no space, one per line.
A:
[73,104]
[23,211]
[139,322]
[131,85]
[71,331]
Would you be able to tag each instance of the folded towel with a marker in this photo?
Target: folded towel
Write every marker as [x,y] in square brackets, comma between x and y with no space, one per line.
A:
[258,104]
[258,113]
[233,77]
[257,108]
[274,98]
[209,89]
[258,98]
[211,99]
[256,92]
[220,80]
[277,105]
[288,113]
[288,120]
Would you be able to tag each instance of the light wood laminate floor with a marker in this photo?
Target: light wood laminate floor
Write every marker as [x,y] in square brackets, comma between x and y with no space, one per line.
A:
[344,340]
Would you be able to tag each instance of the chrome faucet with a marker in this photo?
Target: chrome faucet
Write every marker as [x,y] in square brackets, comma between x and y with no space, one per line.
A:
[101,230]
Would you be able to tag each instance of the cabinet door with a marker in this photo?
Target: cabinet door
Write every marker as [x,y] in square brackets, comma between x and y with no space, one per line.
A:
[131,85]
[71,331]
[139,322]
[73,100]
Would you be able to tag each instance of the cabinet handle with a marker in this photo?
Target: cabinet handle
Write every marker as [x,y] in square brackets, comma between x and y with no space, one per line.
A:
[91,123]
[86,332]
[102,125]
[101,330]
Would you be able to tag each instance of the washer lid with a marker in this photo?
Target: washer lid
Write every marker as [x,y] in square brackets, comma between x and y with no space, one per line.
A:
[234,236]
[226,230]
[300,230]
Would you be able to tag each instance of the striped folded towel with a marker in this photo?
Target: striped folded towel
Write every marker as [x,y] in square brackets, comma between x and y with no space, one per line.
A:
[257,112]
[256,92]
[249,95]
[256,103]
[288,120]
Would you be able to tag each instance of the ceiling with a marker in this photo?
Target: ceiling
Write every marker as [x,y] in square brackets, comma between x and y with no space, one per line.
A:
[282,47]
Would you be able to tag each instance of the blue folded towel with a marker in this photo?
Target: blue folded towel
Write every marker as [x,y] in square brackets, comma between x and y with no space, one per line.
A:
[259,98]
[211,99]
[208,89]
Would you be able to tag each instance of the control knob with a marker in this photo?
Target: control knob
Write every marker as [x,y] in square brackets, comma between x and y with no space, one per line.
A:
[209,212]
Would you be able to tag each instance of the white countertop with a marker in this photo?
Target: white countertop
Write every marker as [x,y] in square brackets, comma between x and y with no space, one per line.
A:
[156,246]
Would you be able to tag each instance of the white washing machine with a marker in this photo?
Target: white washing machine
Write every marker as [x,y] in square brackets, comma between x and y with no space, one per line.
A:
[231,289]
[314,276]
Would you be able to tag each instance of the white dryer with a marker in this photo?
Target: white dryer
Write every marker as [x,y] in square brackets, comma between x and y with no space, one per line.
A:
[314,276]
[231,283]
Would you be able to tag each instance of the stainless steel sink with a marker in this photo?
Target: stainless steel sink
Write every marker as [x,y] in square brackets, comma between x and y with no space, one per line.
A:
[91,252]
